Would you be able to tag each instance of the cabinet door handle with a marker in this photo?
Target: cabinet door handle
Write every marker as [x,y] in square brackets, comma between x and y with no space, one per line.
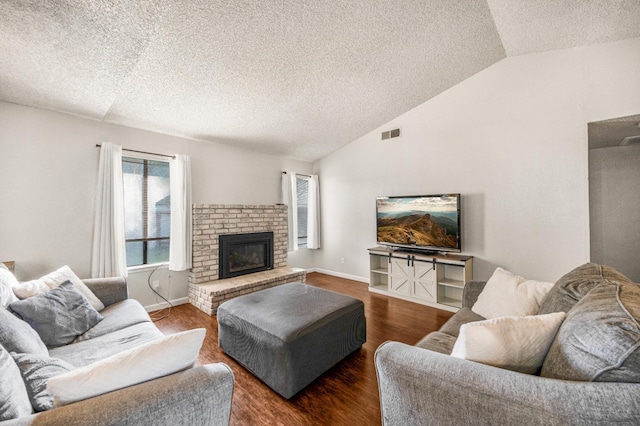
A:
[408,260]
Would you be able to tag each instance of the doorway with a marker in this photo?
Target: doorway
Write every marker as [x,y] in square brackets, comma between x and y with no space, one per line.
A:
[614,194]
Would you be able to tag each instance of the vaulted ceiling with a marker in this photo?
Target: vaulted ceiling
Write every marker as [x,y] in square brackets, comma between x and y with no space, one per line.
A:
[298,78]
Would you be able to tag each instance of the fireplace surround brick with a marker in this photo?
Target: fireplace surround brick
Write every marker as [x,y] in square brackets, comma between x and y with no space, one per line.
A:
[210,221]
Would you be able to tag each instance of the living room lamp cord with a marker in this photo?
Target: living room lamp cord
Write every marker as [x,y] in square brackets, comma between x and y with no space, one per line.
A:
[155,317]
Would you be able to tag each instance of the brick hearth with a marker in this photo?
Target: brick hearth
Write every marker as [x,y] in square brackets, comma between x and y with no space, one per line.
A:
[207,297]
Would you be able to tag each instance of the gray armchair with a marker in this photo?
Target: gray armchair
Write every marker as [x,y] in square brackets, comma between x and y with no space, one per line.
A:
[419,386]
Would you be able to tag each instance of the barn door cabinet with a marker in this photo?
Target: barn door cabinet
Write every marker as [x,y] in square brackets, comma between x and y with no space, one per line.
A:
[431,279]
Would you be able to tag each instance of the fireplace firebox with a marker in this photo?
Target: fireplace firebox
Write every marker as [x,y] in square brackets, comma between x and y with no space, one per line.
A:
[242,254]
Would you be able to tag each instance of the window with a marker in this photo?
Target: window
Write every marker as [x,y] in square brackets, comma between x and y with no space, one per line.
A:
[302,194]
[147,210]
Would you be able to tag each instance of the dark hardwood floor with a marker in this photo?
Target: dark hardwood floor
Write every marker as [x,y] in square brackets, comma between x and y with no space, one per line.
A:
[347,394]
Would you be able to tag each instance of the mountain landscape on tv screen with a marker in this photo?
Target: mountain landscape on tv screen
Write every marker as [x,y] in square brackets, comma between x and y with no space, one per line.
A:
[418,228]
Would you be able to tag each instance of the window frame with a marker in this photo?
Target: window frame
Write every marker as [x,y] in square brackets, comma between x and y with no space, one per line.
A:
[145,264]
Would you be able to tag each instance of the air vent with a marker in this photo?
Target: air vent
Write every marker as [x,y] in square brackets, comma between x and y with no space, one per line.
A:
[630,140]
[389,134]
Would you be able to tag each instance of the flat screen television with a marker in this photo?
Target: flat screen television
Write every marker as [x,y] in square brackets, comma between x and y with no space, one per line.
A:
[422,222]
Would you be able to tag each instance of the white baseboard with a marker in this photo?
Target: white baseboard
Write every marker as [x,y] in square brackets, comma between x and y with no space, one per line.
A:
[174,302]
[339,274]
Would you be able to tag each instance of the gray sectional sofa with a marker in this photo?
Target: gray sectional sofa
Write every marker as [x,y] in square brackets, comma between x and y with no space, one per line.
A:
[196,396]
[590,376]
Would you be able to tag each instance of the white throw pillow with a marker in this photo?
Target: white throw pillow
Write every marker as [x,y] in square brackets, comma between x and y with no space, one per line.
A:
[514,343]
[7,281]
[53,280]
[507,294]
[157,358]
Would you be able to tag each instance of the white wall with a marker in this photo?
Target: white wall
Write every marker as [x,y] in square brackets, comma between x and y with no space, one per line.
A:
[614,178]
[512,140]
[48,168]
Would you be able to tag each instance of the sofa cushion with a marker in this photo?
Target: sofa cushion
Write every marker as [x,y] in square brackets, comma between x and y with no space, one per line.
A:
[7,281]
[14,400]
[470,293]
[437,342]
[89,351]
[36,371]
[154,359]
[600,339]
[116,317]
[53,280]
[508,294]
[17,336]
[59,315]
[514,343]
[573,286]
[463,316]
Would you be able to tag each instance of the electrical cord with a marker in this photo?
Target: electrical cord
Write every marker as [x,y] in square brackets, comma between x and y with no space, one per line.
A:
[158,315]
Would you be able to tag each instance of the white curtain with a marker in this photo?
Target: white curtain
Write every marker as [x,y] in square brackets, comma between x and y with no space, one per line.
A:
[108,254]
[290,199]
[313,214]
[181,222]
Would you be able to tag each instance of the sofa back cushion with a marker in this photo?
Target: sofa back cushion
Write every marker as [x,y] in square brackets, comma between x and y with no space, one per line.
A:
[573,286]
[600,338]
[14,400]
[17,336]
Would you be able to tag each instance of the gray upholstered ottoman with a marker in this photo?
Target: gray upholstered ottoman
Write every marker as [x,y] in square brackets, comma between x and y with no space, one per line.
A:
[289,335]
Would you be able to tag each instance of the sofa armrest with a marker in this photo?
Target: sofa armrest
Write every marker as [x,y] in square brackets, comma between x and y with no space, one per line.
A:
[198,396]
[108,290]
[471,292]
[418,386]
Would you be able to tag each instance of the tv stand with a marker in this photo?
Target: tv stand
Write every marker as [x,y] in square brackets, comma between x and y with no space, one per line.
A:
[429,278]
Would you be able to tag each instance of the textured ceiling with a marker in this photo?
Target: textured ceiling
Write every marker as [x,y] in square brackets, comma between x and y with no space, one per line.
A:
[529,26]
[611,133]
[293,78]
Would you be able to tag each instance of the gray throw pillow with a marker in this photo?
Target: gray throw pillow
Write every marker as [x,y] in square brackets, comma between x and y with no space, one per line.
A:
[17,336]
[14,400]
[573,286]
[36,371]
[58,315]
[600,337]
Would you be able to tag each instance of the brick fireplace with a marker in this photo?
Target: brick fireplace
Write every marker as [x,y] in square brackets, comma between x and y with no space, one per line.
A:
[210,221]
